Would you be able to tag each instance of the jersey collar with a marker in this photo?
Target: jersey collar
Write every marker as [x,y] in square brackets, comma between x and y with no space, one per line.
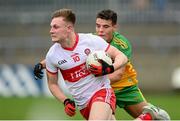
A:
[76,42]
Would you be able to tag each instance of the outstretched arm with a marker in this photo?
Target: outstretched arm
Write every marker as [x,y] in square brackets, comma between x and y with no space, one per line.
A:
[54,87]
[120,60]
[69,104]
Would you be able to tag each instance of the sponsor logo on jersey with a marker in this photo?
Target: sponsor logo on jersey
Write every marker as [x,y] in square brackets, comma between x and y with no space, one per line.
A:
[62,62]
[76,73]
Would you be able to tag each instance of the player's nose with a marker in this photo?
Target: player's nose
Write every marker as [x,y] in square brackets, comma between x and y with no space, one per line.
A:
[51,31]
[101,29]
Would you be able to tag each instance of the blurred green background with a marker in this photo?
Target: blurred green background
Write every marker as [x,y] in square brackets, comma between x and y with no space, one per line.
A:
[42,108]
[152,26]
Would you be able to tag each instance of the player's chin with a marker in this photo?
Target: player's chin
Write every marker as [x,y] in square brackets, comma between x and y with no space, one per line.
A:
[104,37]
[54,40]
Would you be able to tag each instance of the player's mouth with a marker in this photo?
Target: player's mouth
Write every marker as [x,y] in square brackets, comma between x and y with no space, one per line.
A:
[103,36]
[53,36]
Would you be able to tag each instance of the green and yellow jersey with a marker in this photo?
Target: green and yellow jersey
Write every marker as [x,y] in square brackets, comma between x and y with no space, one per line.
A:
[129,76]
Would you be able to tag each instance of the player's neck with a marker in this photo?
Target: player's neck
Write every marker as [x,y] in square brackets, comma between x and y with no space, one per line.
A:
[69,42]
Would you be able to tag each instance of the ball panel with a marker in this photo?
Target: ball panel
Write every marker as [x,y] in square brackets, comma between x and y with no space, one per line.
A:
[95,55]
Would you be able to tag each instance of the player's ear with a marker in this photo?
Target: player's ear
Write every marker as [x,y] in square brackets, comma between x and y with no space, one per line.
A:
[115,27]
[70,27]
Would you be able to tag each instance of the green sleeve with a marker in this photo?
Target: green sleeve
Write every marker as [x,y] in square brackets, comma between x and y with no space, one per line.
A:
[122,43]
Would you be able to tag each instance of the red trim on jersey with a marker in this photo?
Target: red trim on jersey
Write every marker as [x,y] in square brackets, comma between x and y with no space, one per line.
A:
[51,72]
[74,46]
[107,48]
[76,73]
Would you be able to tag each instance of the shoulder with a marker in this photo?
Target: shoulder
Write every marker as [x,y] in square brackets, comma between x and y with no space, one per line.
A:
[87,35]
[52,53]
[121,43]
[119,39]
[52,49]
[91,37]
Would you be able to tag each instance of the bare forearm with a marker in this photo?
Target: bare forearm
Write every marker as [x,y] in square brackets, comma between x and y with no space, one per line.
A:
[113,78]
[43,62]
[54,87]
[119,58]
[56,91]
[117,75]
[120,61]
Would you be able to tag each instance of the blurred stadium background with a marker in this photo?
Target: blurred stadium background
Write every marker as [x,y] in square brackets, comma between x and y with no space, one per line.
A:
[152,26]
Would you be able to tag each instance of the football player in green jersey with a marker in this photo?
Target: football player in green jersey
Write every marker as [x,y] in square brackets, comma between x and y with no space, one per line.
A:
[123,81]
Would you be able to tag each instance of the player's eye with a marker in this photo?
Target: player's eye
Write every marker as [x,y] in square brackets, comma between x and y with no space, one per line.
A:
[98,26]
[55,27]
[106,26]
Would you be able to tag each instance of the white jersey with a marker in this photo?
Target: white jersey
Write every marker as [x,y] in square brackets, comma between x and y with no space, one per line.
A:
[71,63]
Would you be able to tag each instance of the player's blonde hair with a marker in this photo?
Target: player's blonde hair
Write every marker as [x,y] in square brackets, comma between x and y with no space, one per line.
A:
[68,15]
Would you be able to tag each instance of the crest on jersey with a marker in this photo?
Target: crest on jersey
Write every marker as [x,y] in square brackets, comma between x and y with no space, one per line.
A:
[87,51]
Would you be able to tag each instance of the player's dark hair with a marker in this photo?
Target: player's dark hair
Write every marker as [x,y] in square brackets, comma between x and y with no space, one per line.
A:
[108,15]
[68,15]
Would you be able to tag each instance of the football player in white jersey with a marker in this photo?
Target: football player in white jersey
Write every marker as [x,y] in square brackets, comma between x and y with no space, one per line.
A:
[155,112]
[90,94]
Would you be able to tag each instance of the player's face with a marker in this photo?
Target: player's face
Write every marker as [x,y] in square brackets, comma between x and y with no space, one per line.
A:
[59,29]
[105,29]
